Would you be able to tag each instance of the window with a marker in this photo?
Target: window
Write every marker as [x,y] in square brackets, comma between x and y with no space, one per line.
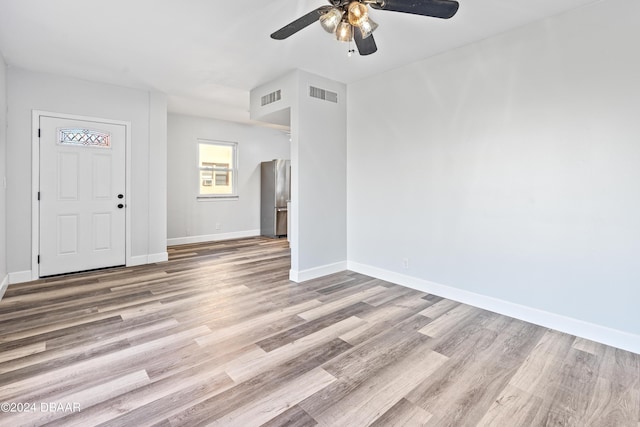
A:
[84,137]
[217,162]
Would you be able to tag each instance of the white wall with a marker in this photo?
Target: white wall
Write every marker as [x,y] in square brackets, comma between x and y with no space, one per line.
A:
[158,144]
[509,169]
[193,220]
[318,170]
[3,156]
[319,130]
[277,112]
[27,91]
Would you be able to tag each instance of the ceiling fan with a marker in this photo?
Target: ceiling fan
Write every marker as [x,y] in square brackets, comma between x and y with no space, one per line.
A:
[349,19]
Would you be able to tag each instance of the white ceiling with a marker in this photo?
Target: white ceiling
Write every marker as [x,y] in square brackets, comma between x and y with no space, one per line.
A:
[208,54]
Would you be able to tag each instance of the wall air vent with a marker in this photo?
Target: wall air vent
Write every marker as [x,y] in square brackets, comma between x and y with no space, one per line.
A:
[325,95]
[270,98]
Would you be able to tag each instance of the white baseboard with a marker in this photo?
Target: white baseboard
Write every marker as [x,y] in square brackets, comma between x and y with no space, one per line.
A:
[148,259]
[138,260]
[20,277]
[313,273]
[613,337]
[212,237]
[4,285]
[161,257]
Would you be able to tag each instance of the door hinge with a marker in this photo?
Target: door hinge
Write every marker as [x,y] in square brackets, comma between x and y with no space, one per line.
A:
[38,195]
[38,133]
[38,259]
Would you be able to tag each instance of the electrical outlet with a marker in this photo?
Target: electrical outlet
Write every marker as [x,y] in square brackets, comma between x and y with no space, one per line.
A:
[218,226]
[405,262]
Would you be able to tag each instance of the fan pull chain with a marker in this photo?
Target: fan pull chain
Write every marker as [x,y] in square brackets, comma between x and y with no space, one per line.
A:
[350,51]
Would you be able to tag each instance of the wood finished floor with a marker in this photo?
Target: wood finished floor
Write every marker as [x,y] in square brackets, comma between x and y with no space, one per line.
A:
[219,336]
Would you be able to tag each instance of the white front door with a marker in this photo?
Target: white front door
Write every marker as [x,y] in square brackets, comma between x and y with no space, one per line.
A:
[82,195]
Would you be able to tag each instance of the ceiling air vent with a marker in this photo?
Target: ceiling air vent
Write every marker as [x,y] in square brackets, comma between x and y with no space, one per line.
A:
[325,95]
[270,98]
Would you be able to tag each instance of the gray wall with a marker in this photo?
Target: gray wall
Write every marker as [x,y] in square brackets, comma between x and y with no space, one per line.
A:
[158,143]
[27,91]
[3,157]
[509,168]
[318,170]
[319,132]
[190,219]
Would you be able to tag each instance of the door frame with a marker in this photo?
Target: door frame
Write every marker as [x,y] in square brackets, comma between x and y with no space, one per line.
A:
[35,181]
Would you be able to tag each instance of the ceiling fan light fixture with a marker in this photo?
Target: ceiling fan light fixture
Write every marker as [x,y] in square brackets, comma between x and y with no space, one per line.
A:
[343,32]
[367,27]
[331,19]
[349,19]
[357,13]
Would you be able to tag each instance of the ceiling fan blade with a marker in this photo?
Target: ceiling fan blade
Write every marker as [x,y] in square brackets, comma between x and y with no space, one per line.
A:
[365,46]
[300,23]
[436,8]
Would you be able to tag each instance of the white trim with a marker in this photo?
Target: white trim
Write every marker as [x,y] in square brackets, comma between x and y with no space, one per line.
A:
[148,259]
[138,260]
[35,181]
[3,286]
[313,273]
[129,195]
[35,187]
[159,257]
[580,328]
[217,198]
[212,237]
[20,277]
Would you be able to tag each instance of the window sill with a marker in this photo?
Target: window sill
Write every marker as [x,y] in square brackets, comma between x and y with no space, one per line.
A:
[216,198]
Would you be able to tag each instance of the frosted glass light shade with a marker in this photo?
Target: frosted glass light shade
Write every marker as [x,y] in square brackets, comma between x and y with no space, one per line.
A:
[357,13]
[331,19]
[343,32]
[367,27]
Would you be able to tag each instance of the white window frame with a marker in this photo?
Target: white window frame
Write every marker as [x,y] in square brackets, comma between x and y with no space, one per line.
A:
[233,168]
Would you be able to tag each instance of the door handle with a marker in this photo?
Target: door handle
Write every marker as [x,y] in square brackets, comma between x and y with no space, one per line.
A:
[120,206]
[120,196]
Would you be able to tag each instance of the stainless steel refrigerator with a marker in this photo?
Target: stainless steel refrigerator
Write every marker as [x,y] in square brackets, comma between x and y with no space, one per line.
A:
[275,189]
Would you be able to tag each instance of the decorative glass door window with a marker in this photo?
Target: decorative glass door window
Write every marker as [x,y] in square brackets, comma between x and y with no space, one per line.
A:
[84,137]
[217,166]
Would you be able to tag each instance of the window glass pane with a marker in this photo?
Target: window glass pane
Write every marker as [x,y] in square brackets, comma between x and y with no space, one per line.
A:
[217,169]
[211,154]
[222,178]
[220,184]
[84,138]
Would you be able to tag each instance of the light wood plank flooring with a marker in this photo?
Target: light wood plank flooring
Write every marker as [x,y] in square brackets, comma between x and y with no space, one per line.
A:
[219,336]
